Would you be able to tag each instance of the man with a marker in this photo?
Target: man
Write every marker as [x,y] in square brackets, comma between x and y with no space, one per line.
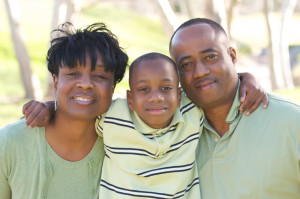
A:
[239,156]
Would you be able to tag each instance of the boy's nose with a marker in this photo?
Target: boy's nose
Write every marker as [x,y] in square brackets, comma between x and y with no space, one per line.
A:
[156,96]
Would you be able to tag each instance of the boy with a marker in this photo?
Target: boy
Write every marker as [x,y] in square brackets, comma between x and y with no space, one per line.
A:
[150,144]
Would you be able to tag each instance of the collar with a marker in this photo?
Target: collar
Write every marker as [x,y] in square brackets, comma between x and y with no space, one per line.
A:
[145,129]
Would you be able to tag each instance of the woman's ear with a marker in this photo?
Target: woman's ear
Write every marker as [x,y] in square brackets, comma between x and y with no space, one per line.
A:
[55,81]
[129,100]
[233,55]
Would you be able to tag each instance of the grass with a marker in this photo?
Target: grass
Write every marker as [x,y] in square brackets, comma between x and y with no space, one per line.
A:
[137,35]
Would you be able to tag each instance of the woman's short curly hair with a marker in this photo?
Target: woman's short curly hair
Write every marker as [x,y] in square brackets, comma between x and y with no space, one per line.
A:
[70,46]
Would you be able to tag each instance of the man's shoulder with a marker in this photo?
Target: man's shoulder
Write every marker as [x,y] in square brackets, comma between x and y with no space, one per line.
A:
[284,105]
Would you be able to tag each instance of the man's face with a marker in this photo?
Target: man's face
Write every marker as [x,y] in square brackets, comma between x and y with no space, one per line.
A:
[206,65]
[154,93]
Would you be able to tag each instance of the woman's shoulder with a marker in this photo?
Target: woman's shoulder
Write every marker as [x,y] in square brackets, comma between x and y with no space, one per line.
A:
[18,132]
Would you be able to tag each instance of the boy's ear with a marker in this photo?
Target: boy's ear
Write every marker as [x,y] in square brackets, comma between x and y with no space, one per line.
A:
[179,90]
[129,100]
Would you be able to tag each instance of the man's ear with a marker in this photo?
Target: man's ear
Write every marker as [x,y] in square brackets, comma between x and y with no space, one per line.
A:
[233,55]
[129,100]
[179,96]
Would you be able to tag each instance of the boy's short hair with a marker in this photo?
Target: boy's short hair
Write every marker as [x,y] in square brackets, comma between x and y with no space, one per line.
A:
[69,47]
[150,56]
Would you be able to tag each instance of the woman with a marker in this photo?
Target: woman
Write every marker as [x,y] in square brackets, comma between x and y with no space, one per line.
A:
[64,159]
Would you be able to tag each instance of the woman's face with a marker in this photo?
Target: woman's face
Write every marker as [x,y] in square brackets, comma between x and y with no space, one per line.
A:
[82,93]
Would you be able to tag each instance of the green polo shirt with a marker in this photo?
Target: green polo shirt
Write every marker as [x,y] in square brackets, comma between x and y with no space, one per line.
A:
[258,158]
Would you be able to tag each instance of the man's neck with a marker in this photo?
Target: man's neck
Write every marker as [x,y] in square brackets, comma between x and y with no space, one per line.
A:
[216,118]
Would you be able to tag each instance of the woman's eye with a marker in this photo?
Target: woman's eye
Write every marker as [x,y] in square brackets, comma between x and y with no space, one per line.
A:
[73,74]
[99,76]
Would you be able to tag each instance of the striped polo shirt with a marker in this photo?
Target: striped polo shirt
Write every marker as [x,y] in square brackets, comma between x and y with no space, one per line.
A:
[142,162]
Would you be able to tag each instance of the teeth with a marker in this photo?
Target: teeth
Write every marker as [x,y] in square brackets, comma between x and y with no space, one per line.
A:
[82,99]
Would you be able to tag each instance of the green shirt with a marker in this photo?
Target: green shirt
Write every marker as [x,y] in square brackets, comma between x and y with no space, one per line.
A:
[30,169]
[258,158]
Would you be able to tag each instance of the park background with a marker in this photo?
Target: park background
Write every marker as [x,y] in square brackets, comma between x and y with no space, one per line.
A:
[142,26]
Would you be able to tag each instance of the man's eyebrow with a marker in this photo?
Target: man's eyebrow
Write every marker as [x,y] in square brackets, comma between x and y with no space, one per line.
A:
[181,59]
[207,50]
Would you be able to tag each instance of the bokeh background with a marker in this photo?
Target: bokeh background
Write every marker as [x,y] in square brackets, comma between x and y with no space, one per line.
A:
[264,32]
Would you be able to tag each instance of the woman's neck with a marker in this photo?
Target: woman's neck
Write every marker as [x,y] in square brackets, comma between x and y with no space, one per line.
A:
[70,138]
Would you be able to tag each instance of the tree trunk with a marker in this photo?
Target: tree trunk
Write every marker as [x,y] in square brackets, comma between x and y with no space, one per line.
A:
[30,81]
[273,47]
[287,12]
[63,11]
[168,17]
[215,10]
[230,10]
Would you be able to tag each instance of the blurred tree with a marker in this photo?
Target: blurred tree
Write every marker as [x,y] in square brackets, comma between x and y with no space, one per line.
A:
[167,16]
[30,81]
[280,70]
[63,11]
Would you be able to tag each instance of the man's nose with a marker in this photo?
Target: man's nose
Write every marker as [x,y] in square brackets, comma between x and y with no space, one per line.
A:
[200,70]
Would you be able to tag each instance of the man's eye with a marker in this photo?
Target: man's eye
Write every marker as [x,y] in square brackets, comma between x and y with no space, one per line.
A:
[210,57]
[186,65]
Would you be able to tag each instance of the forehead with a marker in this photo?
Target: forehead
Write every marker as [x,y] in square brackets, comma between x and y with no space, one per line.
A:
[196,38]
[154,68]
[194,33]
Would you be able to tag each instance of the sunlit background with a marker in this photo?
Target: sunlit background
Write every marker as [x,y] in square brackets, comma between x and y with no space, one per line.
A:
[144,26]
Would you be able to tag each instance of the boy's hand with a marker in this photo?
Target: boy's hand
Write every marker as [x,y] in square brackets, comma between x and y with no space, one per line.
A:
[251,94]
[37,113]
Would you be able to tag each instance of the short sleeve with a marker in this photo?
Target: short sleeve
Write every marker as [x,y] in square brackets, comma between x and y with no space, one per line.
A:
[5,192]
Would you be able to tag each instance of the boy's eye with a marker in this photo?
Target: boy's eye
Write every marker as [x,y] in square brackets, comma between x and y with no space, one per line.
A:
[166,88]
[143,89]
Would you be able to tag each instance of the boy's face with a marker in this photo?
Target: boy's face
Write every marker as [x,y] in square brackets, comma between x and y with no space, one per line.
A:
[154,93]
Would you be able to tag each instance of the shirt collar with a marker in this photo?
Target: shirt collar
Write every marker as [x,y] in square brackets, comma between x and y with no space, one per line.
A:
[145,129]
[234,110]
